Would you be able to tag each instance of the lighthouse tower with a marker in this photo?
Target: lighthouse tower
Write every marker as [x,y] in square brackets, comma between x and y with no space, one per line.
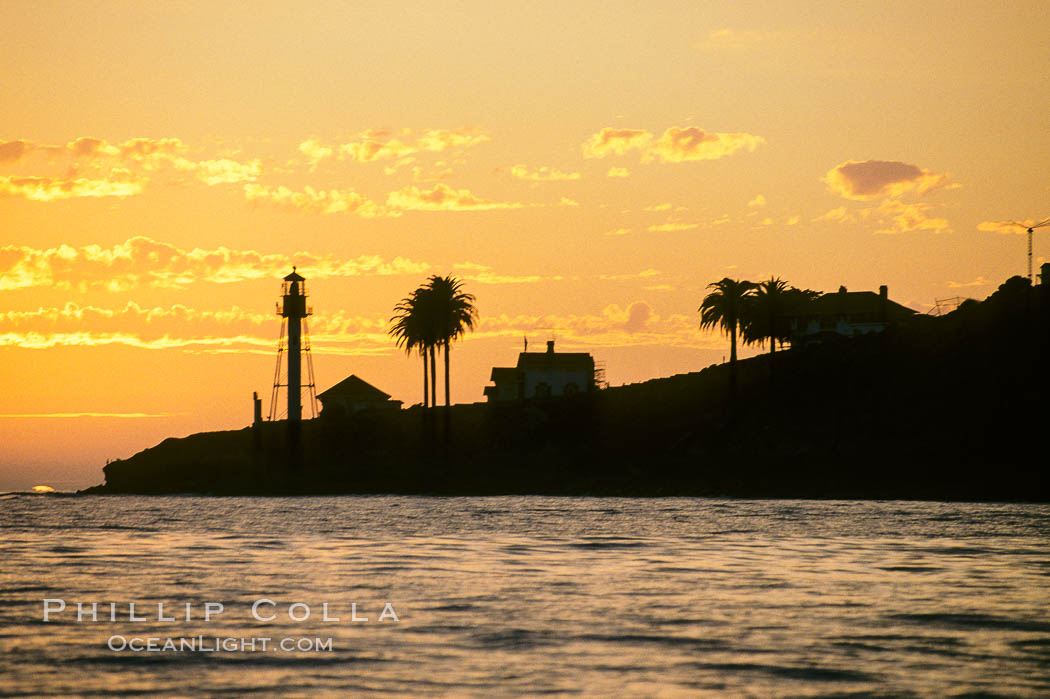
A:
[293,309]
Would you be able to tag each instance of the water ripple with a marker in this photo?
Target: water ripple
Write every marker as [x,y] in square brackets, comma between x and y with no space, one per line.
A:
[531,595]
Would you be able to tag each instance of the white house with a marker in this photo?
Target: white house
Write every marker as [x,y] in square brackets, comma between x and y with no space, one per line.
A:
[543,375]
[846,314]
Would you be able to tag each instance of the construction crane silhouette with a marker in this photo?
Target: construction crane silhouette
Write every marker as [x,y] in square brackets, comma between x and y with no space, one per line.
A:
[1031,227]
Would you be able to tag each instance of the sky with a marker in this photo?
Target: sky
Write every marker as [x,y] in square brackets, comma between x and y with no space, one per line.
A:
[586,168]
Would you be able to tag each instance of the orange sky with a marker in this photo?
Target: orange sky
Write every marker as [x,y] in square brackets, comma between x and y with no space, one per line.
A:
[587,167]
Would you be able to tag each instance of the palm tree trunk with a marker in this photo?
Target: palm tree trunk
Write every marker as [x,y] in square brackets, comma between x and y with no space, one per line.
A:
[448,410]
[772,331]
[426,383]
[433,376]
[448,346]
[732,365]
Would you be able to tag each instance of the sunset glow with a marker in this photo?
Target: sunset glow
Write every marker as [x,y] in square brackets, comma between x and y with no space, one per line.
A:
[586,168]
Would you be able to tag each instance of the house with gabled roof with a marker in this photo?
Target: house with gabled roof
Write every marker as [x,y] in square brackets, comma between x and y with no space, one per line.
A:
[543,375]
[846,314]
[354,394]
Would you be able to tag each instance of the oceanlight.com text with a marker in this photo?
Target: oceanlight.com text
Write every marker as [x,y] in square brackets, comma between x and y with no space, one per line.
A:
[215,644]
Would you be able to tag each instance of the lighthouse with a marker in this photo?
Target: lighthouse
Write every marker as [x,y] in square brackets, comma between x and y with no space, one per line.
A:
[294,311]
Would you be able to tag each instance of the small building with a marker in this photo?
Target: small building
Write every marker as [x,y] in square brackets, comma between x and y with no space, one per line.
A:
[352,395]
[543,375]
[846,314]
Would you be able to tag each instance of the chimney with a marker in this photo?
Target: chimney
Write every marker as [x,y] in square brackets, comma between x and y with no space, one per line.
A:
[883,292]
[884,305]
[256,408]
[550,346]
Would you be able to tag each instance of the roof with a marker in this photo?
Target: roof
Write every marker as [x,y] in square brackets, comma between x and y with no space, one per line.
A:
[565,361]
[294,277]
[355,388]
[501,374]
[856,302]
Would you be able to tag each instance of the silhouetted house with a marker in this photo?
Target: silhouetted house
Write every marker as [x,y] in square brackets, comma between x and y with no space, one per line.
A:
[353,394]
[543,375]
[846,314]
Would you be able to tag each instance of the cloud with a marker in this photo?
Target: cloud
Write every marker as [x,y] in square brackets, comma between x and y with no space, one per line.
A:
[691,143]
[618,231]
[410,198]
[838,214]
[155,154]
[146,148]
[378,144]
[315,151]
[618,172]
[758,201]
[666,206]
[543,174]
[87,147]
[644,274]
[671,227]
[792,220]
[483,274]
[872,179]
[471,266]
[638,315]
[905,218]
[121,184]
[442,198]
[979,281]
[222,171]
[369,150]
[12,151]
[140,149]
[116,170]
[132,325]
[436,140]
[331,201]
[179,327]
[615,141]
[416,171]
[676,145]
[236,330]
[142,261]
[1007,226]
[487,277]
[635,325]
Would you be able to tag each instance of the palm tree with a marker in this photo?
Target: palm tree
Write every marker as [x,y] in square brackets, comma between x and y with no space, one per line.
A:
[410,328]
[724,308]
[765,314]
[453,315]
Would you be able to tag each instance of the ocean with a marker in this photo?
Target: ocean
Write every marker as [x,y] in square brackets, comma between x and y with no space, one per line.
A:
[522,595]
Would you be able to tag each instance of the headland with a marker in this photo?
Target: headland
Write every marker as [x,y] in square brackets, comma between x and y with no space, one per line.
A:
[939,408]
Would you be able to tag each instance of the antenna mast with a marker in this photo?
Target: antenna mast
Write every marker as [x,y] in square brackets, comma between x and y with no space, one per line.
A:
[1031,227]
